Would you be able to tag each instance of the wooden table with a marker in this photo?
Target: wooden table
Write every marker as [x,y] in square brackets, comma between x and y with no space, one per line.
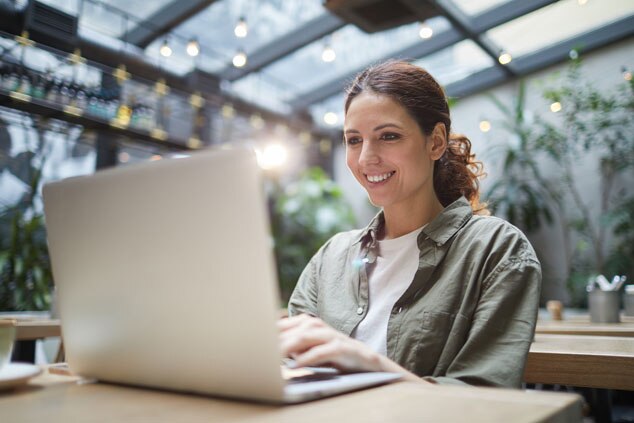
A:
[27,330]
[52,401]
[581,325]
[585,361]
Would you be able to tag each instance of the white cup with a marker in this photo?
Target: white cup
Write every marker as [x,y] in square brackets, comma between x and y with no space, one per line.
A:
[7,336]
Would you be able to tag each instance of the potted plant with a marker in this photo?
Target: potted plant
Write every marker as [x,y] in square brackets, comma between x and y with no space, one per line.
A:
[25,272]
[305,214]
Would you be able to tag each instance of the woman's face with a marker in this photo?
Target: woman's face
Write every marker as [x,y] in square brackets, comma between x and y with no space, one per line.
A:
[388,153]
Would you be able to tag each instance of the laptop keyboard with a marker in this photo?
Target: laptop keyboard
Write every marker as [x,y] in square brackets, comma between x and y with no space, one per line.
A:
[314,377]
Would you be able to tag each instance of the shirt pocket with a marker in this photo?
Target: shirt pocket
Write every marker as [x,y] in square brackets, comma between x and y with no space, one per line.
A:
[427,340]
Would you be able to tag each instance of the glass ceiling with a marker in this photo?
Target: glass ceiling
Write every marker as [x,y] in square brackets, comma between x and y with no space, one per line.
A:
[471,7]
[563,20]
[109,17]
[304,70]
[286,79]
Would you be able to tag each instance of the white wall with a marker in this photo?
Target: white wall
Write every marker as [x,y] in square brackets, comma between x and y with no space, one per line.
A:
[602,67]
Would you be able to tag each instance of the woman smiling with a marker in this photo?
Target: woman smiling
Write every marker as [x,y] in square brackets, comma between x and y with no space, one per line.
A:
[433,287]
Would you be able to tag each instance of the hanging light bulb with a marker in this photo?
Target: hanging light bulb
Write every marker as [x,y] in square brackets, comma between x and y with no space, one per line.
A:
[193,47]
[241,29]
[485,126]
[555,107]
[425,31]
[272,156]
[331,118]
[165,50]
[504,58]
[240,59]
[328,54]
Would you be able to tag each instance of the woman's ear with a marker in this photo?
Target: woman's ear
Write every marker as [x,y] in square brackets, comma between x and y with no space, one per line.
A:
[438,141]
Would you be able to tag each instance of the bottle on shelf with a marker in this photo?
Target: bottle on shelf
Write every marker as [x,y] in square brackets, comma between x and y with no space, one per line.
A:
[39,86]
[12,80]
[81,100]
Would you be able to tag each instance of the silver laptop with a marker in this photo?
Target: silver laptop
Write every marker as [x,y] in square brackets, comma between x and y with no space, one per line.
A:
[165,278]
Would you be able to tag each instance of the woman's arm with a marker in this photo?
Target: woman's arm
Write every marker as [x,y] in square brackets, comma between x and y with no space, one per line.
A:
[502,329]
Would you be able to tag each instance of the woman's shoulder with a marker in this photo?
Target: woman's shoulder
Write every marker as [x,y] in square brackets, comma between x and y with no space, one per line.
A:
[493,225]
[344,240]
[497,234]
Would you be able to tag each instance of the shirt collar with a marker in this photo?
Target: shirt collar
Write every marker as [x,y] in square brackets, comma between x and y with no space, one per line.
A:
[439,230]
[447,223]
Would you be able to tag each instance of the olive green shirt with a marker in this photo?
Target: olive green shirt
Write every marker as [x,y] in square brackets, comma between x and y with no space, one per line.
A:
[469,314]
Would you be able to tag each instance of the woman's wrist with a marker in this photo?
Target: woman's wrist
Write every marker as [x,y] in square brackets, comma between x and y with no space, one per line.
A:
[387,365]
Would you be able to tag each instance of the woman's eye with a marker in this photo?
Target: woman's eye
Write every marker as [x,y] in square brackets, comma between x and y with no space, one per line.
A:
[389,136]
[353,140]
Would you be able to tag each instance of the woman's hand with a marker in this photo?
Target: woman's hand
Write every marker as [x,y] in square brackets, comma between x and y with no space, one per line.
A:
[311,342]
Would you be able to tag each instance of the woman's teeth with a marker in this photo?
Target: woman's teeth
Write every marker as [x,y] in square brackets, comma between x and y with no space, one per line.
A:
[379,178]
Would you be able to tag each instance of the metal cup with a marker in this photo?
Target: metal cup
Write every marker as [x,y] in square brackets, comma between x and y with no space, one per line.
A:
[629,300]
[605,306]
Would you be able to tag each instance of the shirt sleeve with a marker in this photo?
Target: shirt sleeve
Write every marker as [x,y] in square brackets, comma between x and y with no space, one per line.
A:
[503,326]
[304,297]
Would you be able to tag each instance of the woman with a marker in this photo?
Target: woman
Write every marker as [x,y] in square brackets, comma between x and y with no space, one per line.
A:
[432,287]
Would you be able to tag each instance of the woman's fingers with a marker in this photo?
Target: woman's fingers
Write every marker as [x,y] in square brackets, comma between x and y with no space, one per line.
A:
[342,353]
[311,342]
[320,355]
[299,339]
[302,319]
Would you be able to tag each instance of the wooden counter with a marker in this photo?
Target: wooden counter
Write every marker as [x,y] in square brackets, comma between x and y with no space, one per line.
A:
[585,361]
[52,401]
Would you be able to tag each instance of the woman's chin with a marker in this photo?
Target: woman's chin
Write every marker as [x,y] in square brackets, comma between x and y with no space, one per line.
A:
[377,201]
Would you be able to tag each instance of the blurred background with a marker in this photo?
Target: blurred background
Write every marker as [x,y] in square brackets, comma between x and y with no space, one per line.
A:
[543,89]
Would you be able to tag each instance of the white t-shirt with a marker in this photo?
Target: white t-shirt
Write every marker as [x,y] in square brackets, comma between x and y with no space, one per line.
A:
[388,278]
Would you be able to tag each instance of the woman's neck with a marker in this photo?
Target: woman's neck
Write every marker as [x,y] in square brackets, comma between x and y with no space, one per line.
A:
[400,221]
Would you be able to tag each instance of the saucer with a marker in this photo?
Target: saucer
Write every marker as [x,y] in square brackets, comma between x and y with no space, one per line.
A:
[15,374]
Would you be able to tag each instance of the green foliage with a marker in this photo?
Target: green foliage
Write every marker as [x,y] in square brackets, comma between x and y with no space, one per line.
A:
[521,194]
[599,124]
[25,272]
[593,123]
[306,214]
[621,259]
[591,120]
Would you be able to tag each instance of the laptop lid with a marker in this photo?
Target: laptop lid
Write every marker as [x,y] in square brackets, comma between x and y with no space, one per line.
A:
[165,276]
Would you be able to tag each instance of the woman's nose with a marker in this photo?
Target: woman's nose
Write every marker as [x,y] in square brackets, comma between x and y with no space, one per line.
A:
[369,154]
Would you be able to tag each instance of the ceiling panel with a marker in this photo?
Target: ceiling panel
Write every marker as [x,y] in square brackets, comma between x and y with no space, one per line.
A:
[475,7]
[266,20]
[107,17]
[305,69]
[561,20]
[456,62]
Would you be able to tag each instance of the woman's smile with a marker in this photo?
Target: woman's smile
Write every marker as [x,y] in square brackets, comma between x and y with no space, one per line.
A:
[381,178]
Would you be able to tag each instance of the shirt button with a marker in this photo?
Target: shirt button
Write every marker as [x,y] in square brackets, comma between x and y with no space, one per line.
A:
[360,310]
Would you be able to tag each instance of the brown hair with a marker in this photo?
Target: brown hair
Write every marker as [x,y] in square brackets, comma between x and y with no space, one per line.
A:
[457,172]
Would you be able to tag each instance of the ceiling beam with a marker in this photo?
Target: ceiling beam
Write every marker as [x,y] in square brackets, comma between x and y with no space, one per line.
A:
[476,24]
[280,47]
[464,24]
[332,87]
[540,59]
[164,20]
[588,41]
[505,13]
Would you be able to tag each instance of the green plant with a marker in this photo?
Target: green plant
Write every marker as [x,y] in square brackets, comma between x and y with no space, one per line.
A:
[520,194]
[306,213]
[599,124]
[25,271]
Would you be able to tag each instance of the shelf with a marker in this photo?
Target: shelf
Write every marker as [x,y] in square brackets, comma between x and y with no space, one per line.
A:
[26,103]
